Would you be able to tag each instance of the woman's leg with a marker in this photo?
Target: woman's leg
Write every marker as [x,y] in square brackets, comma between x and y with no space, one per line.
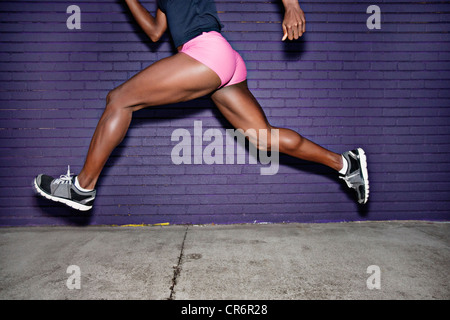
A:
[170,80]
[241,109]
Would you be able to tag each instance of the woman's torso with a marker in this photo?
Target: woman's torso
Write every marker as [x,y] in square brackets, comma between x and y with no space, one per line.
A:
[189,18]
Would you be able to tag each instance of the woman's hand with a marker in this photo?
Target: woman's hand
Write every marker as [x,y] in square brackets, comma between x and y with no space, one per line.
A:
[294,20]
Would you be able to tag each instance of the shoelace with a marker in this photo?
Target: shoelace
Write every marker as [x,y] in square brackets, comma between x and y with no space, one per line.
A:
[348,178]
[64,178]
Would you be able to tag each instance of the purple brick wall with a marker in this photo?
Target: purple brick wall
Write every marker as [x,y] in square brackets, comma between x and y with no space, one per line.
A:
[342,86]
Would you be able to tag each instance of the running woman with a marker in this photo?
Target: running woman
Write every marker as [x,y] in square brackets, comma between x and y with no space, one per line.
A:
[204,64]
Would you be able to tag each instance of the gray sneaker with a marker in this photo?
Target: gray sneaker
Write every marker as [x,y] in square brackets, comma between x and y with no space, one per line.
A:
[63,190]
[357,176]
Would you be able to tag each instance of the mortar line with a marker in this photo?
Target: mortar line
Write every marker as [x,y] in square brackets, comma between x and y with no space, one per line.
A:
[177,268]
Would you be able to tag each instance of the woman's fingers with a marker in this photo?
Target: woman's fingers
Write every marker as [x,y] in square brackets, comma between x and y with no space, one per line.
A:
[285,33]
[293,32]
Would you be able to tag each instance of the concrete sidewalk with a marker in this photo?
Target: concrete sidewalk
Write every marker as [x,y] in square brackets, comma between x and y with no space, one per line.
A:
[274,261]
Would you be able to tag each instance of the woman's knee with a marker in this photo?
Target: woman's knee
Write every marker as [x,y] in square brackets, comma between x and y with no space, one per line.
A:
[278,140]
[290,141]
[115,100]
[265,139]
[113,96]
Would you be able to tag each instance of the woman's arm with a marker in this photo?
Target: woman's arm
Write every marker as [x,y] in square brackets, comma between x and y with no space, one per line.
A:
[154,27]
[294,20]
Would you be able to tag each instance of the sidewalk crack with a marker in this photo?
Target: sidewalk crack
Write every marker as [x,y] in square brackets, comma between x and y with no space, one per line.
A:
[177,268]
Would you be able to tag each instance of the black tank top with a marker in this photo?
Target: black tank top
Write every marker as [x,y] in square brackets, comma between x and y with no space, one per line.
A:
[189,18]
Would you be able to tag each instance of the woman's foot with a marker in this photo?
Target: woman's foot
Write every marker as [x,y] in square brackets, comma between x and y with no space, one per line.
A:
[357,176]
[63,190]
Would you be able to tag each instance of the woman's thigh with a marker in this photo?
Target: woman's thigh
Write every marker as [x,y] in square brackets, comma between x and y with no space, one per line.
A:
[242,110]
[240,107]
[170,80]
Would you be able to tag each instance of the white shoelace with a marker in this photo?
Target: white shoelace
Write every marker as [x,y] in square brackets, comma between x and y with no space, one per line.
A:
[347,179]
[64,178]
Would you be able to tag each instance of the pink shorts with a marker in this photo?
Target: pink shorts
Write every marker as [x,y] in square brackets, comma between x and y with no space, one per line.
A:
[214,51]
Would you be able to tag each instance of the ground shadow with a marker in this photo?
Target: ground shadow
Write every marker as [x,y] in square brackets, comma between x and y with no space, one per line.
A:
[63,213]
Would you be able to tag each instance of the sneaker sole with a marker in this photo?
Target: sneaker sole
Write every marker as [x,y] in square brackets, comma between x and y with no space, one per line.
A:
[365,173]
[68,202]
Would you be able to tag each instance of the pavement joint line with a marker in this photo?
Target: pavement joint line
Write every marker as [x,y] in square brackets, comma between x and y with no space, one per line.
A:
[177,268]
